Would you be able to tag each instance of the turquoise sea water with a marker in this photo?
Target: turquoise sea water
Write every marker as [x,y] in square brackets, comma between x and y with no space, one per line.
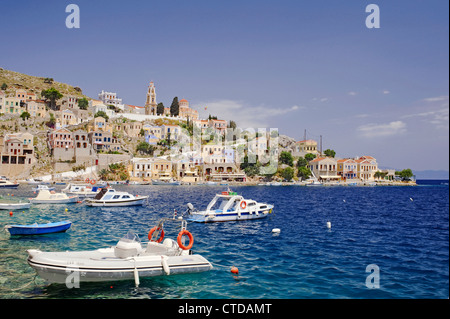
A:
[407,239]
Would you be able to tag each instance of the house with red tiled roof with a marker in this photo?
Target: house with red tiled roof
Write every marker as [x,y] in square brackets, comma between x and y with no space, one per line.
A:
[367,166]
[324,168]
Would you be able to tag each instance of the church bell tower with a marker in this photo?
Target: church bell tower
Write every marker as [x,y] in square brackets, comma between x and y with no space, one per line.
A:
[150,104]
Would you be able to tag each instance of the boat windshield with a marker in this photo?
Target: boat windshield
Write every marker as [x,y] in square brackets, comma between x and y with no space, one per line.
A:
[130,237]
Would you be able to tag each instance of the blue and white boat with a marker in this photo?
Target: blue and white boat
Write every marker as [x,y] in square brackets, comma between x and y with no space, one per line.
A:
[43,187]
[39,229]
[229,206]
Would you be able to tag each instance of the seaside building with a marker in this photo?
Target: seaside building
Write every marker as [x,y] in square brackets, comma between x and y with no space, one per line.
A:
[36,108]
[304,147]
[324,168]
[186,112]
[16,154]
[104,141]
[110,98]
[150,168]
[69,101]
[347,168]
[367,166]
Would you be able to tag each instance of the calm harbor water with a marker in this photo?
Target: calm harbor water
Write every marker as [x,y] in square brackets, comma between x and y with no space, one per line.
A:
[402,230]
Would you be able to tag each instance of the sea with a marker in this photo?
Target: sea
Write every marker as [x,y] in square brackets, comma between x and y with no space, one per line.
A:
[381,242]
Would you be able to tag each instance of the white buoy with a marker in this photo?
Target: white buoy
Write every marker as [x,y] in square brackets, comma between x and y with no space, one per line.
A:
[328,225]
[343,200]
[276,230]
[411,199]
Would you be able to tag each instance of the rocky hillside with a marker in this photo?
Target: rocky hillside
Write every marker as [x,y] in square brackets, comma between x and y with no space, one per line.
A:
[16,80]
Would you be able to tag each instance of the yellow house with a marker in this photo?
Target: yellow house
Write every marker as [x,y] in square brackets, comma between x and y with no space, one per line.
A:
[151,168]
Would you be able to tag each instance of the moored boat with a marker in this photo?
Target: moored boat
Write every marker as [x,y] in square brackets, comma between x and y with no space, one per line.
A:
[229,206]
[8,204]
[82,190]
[43,187]
[8,184]
[39,229]
[129,259]
[110,197]
[51,197]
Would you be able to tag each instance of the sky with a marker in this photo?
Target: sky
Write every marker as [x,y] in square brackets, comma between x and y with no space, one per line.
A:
[292,65]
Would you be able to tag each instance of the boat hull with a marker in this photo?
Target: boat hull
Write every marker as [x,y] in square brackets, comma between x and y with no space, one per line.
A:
[112,203]
[39,229]
[203,217]
[102,265]
[9,186]
[54,201]
[15,206]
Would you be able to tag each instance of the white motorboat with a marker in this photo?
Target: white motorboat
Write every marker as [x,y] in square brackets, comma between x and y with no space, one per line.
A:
[165,182]
[82,190]
[51,197]
[12,205]
[127,260]
[229,206]
[43,187]
[110,197]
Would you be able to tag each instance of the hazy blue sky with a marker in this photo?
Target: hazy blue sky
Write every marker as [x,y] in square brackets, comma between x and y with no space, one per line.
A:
[293,65]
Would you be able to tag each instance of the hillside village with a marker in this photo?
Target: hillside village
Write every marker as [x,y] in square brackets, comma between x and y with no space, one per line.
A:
[50,129]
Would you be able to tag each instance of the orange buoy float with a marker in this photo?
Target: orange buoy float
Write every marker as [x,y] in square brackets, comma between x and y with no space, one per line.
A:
[87,180]
[93,181]
[191,239]
[161,236]
[243,204]
[234,270]
[10,213]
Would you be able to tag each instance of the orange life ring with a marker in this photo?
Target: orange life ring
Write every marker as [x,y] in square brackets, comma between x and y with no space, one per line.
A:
[191,239]
[92,181]
[87,180]
[161,236]
[243,204]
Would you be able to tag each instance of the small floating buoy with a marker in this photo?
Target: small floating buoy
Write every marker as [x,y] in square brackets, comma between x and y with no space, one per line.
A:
[328,225]
[411,199]
[276,230]
[10,213]
[66,209]
[343,200]
[234,270]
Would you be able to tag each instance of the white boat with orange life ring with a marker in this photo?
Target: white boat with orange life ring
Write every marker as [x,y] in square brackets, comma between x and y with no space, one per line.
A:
[229,206]
[129,259]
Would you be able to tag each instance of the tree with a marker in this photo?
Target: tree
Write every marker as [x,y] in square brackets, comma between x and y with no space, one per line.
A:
[309,157]
[301,162]
[330,153]
[145,148]
[175,107]
[405,174]
[83,104]
[286,158]
[25,115]
[52,121]
[380,174]
[232,125]
[51,95]
[287,173]
[304,172]
[4,86]
[160,109]
[102,114]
